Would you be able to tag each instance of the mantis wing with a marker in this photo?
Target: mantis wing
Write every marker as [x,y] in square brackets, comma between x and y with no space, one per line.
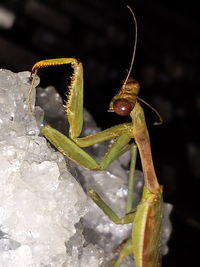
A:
[147,230]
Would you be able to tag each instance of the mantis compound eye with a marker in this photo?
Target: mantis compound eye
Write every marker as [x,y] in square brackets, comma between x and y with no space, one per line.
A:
[122,107]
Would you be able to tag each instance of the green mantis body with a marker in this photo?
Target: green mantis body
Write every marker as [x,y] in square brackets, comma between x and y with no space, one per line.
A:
[147,217]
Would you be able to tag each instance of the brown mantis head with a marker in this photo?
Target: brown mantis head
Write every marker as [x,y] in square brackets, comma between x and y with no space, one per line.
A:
[124,101]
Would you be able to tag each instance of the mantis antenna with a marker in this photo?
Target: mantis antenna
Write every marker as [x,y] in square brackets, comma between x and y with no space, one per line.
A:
[131,67]
[134,49]
[157,113]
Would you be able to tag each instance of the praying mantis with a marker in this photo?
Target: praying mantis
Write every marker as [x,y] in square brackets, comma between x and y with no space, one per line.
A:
[147,216]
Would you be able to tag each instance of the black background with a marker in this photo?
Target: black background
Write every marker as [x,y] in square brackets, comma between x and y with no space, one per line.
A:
[101,35]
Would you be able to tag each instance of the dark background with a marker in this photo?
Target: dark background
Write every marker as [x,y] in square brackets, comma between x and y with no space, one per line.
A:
[101,35]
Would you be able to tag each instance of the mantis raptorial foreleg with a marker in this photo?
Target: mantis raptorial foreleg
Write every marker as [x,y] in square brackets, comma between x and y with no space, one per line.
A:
[71,146]
[70,149]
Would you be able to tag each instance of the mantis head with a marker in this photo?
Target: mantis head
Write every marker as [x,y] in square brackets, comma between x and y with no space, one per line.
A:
[124,101]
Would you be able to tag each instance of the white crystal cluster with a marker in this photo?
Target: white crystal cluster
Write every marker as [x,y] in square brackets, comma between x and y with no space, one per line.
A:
[46,218]
[40,201]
